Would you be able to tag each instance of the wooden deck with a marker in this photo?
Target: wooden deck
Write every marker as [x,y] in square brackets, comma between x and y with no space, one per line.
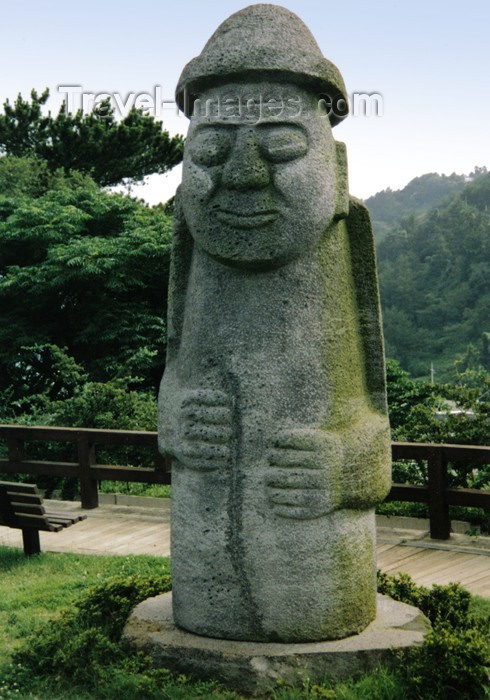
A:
[462,558]
[109,529]
[120,529]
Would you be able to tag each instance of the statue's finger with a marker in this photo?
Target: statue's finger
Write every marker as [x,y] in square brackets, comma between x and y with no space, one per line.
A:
[205,450]
[205,397]
[310,479]
[213,434]
[294,459]
[206,414]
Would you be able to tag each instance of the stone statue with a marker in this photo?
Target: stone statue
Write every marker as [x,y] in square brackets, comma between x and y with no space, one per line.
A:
[272,405]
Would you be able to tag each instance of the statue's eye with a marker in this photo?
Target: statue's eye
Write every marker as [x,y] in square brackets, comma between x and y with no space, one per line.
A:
[280,144]
[209,146]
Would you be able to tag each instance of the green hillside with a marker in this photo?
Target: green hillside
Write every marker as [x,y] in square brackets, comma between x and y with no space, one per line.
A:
[389,206]
[434,275]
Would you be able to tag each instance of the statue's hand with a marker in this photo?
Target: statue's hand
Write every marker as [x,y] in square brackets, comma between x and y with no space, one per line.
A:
[205,430]
[305,479]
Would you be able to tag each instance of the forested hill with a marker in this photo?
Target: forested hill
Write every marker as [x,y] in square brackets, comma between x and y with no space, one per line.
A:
[434,275]
[389,206]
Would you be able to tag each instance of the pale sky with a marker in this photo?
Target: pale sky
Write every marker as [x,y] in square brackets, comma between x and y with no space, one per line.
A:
[429,60]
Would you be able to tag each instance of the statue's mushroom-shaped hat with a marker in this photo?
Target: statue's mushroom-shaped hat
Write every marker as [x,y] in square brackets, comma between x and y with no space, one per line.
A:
[264,42]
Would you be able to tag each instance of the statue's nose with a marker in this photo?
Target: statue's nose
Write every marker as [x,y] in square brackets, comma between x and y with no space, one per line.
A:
[245,167]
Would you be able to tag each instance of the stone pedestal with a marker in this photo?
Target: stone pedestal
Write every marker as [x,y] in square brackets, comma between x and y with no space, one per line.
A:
[253,667]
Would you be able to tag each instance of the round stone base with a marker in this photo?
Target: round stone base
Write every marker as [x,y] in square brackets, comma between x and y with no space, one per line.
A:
[254,667]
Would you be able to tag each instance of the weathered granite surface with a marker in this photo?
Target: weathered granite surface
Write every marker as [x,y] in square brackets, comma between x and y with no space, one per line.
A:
[272,405]
[253,668]
[265,41]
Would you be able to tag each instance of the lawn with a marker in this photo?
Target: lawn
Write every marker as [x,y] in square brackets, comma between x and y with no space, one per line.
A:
[33,589]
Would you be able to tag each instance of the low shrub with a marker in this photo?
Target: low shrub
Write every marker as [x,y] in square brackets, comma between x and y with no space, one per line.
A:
[440,603]
[108,605]
[82,642]
[476,517]
[80,651]
[451,663]
[454,659]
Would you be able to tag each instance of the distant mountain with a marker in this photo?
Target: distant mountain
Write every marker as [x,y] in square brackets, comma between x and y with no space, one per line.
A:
[389,207]
[434,272]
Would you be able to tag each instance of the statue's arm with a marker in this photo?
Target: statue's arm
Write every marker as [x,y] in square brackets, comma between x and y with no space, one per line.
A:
[315,470]
[367,472]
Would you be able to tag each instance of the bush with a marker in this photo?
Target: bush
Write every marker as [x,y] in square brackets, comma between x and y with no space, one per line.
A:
[400,587]
[476,517]
[454,660]
[449,604]
[451,663]
[79,655]
[109,605]
[80,650]
[79,645]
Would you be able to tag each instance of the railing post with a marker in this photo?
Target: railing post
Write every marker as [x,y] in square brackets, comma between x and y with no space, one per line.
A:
[440,524]
[89,495]
[16,450]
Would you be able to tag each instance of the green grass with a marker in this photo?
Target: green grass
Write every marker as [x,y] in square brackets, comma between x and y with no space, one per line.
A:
[136,489]
[33,589]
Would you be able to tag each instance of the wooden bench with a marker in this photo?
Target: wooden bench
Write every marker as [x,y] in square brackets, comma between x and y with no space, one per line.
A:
[21,506]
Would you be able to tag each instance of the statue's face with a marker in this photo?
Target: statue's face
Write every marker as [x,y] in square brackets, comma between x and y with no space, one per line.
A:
[259,180]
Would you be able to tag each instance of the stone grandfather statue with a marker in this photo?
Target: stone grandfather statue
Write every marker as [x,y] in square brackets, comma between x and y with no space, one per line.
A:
[272,405]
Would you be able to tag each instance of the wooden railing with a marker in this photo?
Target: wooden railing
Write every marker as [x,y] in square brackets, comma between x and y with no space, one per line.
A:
[436,494]
[86,469]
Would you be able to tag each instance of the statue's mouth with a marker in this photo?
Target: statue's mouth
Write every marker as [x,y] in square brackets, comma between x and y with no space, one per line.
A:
[248,219]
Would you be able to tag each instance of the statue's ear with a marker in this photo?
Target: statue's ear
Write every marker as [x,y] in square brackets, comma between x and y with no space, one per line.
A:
[180,263]
[342,198]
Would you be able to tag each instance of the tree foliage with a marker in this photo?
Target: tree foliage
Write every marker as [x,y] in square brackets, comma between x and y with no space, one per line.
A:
[81,270]
[422,193]
[457,413]
[434,275]
[439,413]
[94,143]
